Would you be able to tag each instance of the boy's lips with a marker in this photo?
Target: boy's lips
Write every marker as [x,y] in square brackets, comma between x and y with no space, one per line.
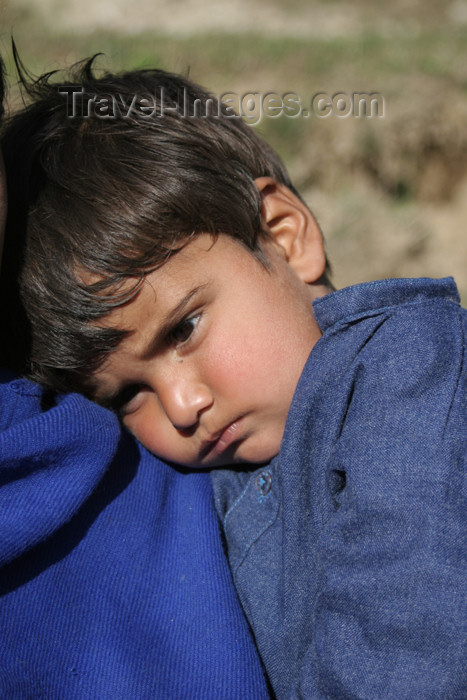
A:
[220,441]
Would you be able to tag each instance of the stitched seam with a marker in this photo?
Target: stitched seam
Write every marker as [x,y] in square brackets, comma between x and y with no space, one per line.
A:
[248,546]
[239,499]
[393,309]
[459,374]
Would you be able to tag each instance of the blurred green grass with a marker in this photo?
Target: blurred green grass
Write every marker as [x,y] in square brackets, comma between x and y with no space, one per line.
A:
[368,57]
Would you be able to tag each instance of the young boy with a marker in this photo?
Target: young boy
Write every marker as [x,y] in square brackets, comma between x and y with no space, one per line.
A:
[172,273]
[113,580]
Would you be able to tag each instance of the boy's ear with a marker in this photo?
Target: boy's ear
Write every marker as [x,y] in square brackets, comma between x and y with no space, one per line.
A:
[293,228]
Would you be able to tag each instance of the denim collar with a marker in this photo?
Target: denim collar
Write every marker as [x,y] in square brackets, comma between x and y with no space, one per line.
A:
[362,299]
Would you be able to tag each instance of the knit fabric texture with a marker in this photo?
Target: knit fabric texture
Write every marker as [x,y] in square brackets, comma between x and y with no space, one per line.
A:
[113,580]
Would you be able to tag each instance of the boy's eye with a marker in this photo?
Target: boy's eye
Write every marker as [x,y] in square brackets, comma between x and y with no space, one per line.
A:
[183,330]
[122,403]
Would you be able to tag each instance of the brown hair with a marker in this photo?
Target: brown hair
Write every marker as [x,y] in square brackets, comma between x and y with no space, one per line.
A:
[98,196]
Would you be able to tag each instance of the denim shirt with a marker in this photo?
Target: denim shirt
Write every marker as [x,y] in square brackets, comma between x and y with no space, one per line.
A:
[348,550]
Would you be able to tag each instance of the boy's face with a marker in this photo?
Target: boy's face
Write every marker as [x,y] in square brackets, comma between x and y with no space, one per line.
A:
[217,346]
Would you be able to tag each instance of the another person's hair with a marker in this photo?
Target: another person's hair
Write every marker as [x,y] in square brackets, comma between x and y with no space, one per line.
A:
[98,196]
[2,89]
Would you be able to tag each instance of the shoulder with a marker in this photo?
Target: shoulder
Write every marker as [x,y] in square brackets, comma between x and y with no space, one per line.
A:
[421,338]
[19,399]
[405,417]
[74,432]
[395,352]
[403,335]
[21,402]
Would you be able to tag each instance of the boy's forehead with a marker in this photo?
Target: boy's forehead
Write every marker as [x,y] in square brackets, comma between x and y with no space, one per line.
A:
[168,286]
[204,263]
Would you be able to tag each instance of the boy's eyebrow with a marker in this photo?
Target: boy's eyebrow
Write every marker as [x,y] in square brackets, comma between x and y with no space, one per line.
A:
[173,317]
[167,324]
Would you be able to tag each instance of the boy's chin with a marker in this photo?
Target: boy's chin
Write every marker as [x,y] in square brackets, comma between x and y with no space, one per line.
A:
[250,451]
[252,459]
[234,461]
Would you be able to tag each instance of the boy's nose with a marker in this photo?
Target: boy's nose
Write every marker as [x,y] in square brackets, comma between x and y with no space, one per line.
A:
[183,401]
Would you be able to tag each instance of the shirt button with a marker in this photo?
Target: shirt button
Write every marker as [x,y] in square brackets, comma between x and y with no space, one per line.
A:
[264,482]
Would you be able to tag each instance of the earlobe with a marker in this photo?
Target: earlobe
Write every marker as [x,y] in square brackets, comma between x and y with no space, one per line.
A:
[293,228]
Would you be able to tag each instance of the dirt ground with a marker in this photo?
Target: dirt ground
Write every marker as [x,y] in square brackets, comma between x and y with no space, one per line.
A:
[270,17]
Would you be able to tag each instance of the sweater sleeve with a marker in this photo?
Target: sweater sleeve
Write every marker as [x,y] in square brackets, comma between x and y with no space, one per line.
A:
[390,618]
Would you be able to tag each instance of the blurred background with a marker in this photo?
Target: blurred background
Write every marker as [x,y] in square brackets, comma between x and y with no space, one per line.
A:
[390,192]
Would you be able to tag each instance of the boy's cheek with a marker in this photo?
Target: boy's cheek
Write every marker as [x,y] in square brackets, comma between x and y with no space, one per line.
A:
[143,424]
[154,431]
[150,434]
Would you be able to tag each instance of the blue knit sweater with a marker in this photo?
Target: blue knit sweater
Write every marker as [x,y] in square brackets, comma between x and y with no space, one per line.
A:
[112,576]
